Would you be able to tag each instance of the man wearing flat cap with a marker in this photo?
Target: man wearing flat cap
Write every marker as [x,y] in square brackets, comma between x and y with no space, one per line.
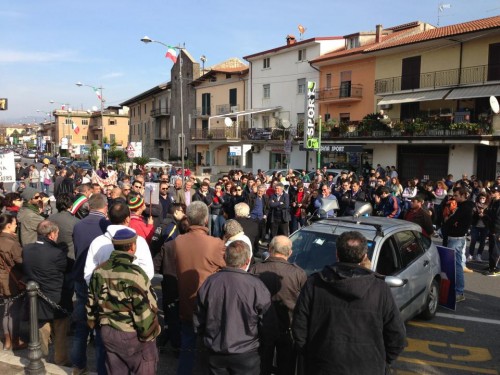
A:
[122,304]
[29,215]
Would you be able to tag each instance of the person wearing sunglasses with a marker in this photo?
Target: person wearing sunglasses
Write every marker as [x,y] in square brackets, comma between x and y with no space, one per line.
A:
[29,215]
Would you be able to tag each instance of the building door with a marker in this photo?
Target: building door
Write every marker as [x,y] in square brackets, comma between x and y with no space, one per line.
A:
[205,104]
[429,162]
[233,101]
[410,73]
[494,62]
[486,162]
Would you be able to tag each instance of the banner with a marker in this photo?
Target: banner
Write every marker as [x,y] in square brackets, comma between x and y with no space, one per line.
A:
[7,167]
[310,141]
[447,286]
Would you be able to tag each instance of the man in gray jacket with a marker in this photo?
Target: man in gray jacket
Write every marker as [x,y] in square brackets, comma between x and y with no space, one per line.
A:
[29,215]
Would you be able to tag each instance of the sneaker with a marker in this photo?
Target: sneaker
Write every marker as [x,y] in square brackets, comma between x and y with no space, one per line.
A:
[478,258]
[459,298]
[469,258]
[468,270]
[494,272]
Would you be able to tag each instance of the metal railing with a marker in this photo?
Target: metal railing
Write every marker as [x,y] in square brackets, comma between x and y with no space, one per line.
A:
[342,92]
[160,112]
[441,78]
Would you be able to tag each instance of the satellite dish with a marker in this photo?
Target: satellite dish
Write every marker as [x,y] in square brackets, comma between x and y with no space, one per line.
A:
[285,123]
[495,107]
[228,122]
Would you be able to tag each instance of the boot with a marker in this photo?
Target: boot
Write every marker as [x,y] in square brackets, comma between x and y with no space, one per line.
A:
[7,345]
[19,344]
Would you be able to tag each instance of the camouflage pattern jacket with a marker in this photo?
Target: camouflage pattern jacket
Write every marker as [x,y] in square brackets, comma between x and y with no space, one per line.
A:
[121,296]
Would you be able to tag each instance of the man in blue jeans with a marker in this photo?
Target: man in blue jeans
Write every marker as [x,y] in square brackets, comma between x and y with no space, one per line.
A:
[84,232]
[456,227]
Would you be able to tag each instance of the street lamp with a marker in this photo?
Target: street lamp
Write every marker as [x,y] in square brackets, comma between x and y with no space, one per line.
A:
[101,99]
[147,40]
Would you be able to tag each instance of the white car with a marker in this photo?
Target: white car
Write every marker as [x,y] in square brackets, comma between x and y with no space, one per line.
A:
[157,163]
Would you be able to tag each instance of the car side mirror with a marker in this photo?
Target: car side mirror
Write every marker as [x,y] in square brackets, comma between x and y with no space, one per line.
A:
[395,282]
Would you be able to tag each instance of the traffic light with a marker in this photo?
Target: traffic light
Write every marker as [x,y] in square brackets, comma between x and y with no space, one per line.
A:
[3,104]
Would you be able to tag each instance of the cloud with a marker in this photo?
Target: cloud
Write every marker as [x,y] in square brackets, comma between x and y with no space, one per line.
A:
[11,56]
[112,75]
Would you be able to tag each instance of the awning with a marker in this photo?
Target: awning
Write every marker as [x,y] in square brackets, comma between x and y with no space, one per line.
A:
[414,96]
[474,92]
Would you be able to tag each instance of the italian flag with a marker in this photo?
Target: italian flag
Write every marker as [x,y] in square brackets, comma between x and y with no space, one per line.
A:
[171,54]
[75,128]
[96,90]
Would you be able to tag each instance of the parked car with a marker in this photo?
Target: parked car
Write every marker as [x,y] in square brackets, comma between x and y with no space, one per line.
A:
[284,172]
[157,163]
[62,160]
[31,154]
[395,247]
[80,164]
[17,157]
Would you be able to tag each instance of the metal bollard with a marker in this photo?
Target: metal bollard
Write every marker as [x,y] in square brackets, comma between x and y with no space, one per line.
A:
[35,365]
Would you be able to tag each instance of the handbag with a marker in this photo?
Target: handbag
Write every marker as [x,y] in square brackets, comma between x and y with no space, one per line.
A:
[47,181]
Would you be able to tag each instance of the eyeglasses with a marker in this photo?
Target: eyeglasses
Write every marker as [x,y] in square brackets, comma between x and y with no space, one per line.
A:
[137,186]
[37,197]
[126,189]
[164,188]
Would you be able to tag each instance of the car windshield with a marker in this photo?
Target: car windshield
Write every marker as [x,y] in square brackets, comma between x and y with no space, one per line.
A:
[312,251]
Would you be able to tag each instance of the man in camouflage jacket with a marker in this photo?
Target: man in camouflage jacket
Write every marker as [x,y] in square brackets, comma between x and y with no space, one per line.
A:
[123,306]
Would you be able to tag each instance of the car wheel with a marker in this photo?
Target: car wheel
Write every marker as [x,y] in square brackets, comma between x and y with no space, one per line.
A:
[432,301]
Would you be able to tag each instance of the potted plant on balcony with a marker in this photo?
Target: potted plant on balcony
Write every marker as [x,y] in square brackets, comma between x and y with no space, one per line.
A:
[397,129]
[210,135]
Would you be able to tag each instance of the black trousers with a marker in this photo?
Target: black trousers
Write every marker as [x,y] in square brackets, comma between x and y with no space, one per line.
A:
[234,364]
[285,356]
[279,228]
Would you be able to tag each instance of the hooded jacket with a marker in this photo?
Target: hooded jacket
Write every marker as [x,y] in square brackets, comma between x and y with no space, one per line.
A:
[346,322]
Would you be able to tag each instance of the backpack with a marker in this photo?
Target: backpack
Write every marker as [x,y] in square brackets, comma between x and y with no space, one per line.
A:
[160,236]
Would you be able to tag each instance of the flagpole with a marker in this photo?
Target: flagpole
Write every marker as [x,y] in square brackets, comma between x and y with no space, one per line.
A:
[147,40]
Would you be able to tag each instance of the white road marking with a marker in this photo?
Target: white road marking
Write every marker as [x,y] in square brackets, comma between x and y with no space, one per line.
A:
[469,318]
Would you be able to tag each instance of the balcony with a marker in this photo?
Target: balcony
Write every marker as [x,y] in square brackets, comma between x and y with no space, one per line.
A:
[340,94]
[203,112]
[223,109]
[215,133]
[439,79]
[159,112]
[244,133]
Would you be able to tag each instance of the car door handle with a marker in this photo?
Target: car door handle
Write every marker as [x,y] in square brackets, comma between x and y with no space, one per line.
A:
[426,263]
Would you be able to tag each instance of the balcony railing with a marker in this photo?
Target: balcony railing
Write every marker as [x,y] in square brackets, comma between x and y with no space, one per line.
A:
[202,112]
[243,133]
[442,78]
[223,109]
[157,112]
[340,93]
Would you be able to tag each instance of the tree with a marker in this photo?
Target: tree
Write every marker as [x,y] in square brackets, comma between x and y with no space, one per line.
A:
[119,156]
[140,160]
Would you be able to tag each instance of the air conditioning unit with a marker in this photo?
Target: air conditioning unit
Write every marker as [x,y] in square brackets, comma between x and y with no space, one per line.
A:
[234,108]
[386,106]
[255,149]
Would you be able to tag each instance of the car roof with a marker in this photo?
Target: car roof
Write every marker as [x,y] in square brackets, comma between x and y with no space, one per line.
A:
[369,226]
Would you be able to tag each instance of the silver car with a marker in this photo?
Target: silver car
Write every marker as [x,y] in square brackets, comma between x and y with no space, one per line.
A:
[395,247]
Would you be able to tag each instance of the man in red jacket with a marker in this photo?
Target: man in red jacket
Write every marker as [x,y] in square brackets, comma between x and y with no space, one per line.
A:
[137,206]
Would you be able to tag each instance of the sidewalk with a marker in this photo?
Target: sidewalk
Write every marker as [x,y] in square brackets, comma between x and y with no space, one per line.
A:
[14,363]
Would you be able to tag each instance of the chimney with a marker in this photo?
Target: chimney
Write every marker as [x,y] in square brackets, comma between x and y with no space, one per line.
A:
[378,33]
[290,39]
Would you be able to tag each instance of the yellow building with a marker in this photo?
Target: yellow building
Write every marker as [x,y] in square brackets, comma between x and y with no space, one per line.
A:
[220,96]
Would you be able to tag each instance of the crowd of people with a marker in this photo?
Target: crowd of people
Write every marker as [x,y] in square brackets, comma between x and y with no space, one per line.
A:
[96,254]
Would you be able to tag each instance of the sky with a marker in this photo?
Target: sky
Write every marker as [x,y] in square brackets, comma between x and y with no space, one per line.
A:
[48,46]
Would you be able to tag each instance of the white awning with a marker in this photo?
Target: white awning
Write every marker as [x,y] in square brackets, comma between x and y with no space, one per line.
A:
[474,92]
[414,96]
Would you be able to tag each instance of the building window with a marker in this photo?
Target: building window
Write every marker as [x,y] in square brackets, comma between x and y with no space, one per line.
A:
[145,108]
[96,137]
[352,42]
[112,121]
[69,121]
[228,76]
[302,55]
[85,121]
[344,118]
[265,121]
[328,81]
[69,136]
[267,63]
[85,137]
[301,86]
[267,91]
[112,138]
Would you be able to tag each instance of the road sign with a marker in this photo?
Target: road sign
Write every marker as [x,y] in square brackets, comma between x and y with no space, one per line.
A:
[234,150]
[106,146]
[130,148]
[130,154]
